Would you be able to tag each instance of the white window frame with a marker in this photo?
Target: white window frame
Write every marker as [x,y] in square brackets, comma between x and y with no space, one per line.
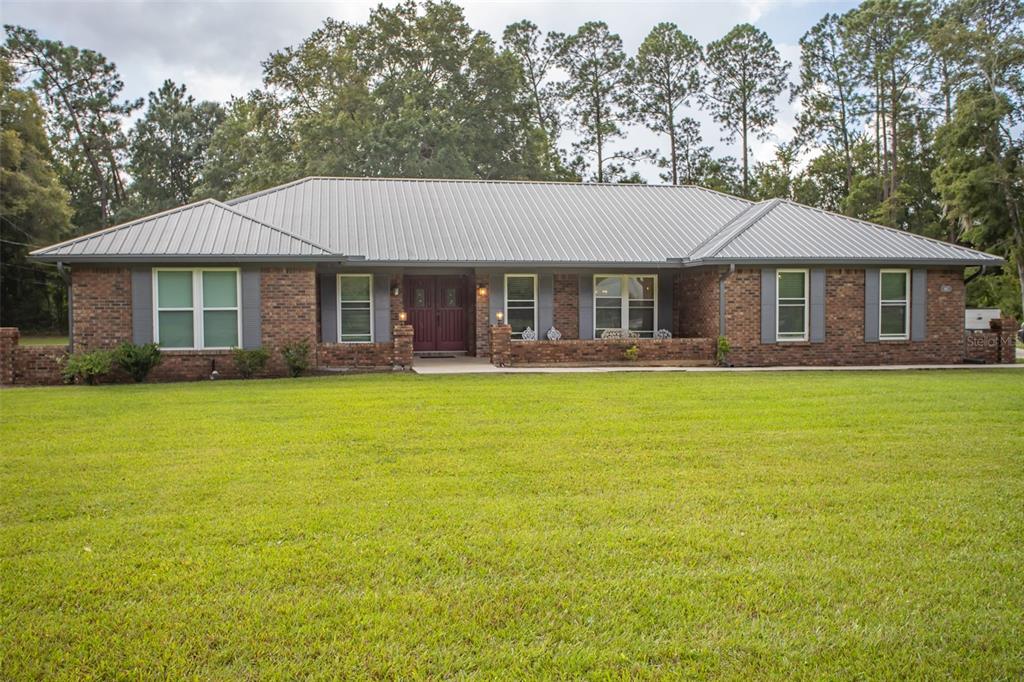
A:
[536,294]
[905,302]
[337,304]
[778,304]
[197,308]
[623,299]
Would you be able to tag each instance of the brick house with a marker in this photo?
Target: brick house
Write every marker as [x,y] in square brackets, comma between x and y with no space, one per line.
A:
[369,270]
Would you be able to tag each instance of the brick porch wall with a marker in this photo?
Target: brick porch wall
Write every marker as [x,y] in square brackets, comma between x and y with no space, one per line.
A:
[612,351]
[288,310]
[101,307]
[844,324]
[481,316]
[696,311]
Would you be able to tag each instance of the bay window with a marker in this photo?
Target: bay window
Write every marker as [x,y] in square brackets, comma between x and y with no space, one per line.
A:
[894,304]
[791,305]
[521,303]
[355,308]
[627,302]
[197,308]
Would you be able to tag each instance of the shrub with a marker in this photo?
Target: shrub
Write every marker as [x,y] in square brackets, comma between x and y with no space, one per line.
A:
[722,349]
[87,367]
[251,361]
[296,356]
[632,353]
[137,360]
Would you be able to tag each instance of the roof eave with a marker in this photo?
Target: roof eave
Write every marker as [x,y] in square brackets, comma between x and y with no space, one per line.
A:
[182,258]
[953,262]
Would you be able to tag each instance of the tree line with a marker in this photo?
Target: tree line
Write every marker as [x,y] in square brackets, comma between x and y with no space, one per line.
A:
[909,114]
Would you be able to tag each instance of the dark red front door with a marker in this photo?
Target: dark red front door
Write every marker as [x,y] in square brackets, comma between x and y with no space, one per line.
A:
[436,305]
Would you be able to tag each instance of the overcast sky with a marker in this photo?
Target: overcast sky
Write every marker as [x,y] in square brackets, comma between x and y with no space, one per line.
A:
[215,48]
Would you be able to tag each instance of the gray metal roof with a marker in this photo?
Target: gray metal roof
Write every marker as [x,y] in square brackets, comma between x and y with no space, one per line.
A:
[780,230]
[207,229]
[480,222]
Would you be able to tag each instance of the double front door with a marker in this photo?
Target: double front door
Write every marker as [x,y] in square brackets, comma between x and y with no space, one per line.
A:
[436,305]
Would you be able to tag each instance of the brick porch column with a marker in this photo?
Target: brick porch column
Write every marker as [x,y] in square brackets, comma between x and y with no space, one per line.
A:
[401,337]
[1008,341]
[482,313]
[501,345]
[8,347]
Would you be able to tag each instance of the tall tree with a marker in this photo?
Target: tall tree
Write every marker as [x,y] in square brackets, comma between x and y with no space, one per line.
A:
[597,96]
[663,77]
[34,211]
[168,148]
[81,92]
[537,54]
[829,93]
[745,76]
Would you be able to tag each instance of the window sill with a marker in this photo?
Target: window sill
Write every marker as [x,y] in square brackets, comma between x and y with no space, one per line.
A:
[196,351]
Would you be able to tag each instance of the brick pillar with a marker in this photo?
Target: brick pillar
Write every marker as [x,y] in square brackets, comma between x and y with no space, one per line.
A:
[1008,341]
[482,314]
[397,301]
[501,345]
[8,347]
[401,355]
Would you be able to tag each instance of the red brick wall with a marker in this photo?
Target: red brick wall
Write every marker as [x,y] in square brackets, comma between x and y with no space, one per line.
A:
[288,307]
[696,296]
[567,306]
[501,341]
[363,355]
[101,301]
[482,315]
[612,351]
[996,345]
[844,324]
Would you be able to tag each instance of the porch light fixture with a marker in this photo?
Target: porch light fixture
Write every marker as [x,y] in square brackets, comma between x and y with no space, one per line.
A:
[403,316]
[396,290]
[481,290]
[499,316]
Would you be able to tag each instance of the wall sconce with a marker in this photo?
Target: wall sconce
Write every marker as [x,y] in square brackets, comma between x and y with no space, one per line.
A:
[499,316]
[481,291]
[396,290]
[403,316]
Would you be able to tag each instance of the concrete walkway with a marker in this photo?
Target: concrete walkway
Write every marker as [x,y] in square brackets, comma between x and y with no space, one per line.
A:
[470,365]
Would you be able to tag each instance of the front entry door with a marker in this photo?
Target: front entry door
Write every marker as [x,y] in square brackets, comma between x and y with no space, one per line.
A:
[436,305]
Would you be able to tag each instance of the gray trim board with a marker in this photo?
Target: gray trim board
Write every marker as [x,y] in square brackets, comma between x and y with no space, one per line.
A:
[545,304]
[817,302]
[381,307]
[721,306]
[251,315]
[587,306]
[768,284]
[329,308]
[497,297]
[918,304]
[665,294]
[142,305]
[871,300]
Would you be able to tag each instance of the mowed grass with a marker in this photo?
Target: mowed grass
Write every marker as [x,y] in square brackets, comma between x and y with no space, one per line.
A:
[774,525]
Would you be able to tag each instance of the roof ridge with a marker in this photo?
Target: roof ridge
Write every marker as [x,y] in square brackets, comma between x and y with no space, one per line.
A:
[739,224]
[121,226]
[267,225]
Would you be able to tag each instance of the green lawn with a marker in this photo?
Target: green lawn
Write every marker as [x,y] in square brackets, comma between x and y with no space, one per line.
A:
[785,525]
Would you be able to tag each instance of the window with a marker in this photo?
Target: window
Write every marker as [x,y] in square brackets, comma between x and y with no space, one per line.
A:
[521,303]
[196,308]
[625,302]
[894,304]
[355,308]
[791,300]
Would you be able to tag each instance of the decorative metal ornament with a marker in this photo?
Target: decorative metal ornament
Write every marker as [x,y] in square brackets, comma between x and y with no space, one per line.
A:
[663,334]
[619,334]
[529,335]
[553,334]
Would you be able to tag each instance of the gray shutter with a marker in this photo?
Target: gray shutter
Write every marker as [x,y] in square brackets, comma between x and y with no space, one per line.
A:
[587,306]
[768,284]
[497,297]
[721,306]
[871,293]
[919,304]
[251,313]
[142,305]
[381,308]
[817,288]
[664,301]
[545,304]
[329,308]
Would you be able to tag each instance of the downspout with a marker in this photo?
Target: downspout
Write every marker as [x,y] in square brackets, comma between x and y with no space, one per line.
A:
[65,275]
[724,275]
[976,275]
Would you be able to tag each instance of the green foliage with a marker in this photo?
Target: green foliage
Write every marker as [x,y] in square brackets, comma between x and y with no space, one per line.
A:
[87,367]
[722,350]
[249,362]
[296,357]
[632,353]
[137,360]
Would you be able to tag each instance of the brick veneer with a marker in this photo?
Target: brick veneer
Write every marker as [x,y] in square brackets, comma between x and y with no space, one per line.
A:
[101,302]
[677,351]
[567,305]
[696,312]
[996,345]
[288,309]
[360,355]
[500,344]
[402,335]
[482,315]
[844,324]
